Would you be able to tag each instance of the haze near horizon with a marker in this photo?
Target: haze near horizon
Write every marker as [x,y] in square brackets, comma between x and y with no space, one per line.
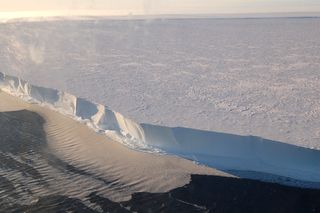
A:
[35,8]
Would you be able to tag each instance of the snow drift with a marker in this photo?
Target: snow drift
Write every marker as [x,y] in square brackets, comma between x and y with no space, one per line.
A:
[220,150]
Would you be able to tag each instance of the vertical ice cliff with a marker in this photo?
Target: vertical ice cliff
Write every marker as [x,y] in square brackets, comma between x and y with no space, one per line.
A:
[219,150]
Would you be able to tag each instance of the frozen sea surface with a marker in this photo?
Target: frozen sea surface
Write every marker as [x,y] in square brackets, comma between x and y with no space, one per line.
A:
[256,77]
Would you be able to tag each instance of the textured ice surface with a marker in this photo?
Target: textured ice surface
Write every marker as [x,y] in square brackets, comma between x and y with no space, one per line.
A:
[242,76]
[265,159]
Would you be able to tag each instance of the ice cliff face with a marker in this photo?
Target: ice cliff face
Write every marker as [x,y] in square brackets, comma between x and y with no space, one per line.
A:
[247,156]
[96,116]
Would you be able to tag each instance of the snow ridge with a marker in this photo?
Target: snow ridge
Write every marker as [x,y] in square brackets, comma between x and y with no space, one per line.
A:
[258,156]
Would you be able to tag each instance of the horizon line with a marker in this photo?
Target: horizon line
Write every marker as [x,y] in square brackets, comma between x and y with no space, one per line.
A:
[14,15]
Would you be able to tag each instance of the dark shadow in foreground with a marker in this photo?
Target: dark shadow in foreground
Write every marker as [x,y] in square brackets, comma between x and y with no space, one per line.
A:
[23,146]
[202,194]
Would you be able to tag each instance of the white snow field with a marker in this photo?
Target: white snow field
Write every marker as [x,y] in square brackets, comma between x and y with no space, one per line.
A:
[265,159]
[240,94]
[242,76]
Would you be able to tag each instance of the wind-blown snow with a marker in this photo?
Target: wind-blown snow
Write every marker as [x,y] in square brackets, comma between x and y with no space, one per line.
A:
[219,150]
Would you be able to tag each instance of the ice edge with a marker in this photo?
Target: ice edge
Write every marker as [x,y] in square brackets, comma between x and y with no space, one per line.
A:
[222,151]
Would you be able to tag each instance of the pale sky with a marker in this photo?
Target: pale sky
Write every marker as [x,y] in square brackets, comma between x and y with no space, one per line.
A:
[154,7]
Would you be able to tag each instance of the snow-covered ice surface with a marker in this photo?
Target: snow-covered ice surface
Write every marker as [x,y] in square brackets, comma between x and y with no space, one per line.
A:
[242,76]
[256,77]
[247,156]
